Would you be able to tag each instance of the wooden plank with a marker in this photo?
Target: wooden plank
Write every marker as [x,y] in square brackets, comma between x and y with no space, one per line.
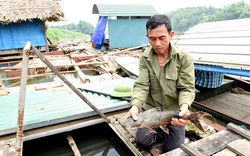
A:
[175,152]
[190,150]
[233,100]
[228,100]
[239,114]
[240,146]
[73,145]
[83,77]
[225,152]
[247,119]
[215,142]
[120,131]
[239,130]
[244,98]
[240,99]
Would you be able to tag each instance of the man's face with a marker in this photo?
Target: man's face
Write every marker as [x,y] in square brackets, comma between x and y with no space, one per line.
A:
[159,38]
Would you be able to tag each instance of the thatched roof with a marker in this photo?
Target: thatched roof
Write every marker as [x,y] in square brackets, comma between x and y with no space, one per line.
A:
[27,10]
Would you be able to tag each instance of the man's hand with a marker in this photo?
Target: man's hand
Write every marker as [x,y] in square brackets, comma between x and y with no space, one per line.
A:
[184,111]
[133,112]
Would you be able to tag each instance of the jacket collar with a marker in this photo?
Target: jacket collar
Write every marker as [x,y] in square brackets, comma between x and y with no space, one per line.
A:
[151,55]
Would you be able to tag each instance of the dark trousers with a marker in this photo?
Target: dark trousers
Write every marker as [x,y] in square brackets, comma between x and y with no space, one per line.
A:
[176,137]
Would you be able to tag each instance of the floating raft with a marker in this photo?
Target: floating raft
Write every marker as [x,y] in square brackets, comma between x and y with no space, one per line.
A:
[233,140]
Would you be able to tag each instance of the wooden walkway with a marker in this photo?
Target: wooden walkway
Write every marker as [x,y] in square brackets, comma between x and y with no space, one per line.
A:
[235,105]
[230,106]
[231,142]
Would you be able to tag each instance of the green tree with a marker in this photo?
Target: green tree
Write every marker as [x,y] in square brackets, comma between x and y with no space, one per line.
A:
[185,18]
[81,27]
[234,11]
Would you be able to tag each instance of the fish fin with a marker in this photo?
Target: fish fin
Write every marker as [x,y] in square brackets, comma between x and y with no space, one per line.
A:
[148,128]
[165,129]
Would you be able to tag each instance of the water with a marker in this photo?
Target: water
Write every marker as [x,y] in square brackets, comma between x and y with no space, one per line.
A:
[42,78]
[97,140]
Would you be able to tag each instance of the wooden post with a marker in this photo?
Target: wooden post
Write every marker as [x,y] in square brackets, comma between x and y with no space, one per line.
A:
[45,36]
[19,134]
[73,145]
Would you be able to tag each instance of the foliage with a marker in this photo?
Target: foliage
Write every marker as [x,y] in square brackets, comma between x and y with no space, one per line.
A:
[235,11]
[182,20]
[185,18]
[58,34]
[81,27]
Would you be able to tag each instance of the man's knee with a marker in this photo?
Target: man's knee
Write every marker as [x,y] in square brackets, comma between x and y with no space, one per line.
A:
[144,138]
[175,138]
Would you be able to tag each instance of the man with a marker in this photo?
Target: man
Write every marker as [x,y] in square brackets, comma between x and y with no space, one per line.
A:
[166,79]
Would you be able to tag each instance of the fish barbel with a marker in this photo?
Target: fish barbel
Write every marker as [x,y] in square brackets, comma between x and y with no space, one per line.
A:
[155,117]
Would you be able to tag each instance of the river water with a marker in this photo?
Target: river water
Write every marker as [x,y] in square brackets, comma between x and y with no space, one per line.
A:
[97,140]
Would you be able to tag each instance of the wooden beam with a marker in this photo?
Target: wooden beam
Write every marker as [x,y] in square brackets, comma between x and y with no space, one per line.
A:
[239,130]
[240,146]
[83,77]
[73,145]
[190,150]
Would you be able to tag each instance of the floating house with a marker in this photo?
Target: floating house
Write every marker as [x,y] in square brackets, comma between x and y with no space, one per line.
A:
[125,24]
[22,21]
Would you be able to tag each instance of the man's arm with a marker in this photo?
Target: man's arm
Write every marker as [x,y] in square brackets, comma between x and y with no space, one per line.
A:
[186,88]
[141,86]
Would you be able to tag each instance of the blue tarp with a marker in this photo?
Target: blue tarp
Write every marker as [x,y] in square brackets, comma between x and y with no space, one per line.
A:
[232,71]
[15,35]
[98,35]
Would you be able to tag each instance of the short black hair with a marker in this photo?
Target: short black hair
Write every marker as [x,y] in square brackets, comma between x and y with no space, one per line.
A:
[157,20]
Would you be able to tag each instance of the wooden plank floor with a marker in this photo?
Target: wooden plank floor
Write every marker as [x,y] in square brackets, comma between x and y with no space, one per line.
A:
[234,105]
[128,136]
[231,141]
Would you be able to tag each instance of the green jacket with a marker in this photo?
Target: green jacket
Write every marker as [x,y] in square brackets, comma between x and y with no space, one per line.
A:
[168,87]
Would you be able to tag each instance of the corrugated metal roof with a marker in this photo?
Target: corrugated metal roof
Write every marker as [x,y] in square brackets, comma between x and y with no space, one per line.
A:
[123,10]
[44,108]
[108,86]
[223,43]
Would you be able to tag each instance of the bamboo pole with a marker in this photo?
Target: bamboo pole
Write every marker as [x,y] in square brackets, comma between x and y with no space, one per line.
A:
[19,134]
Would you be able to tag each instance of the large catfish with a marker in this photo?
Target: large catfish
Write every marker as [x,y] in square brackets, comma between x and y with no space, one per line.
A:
[156,117]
